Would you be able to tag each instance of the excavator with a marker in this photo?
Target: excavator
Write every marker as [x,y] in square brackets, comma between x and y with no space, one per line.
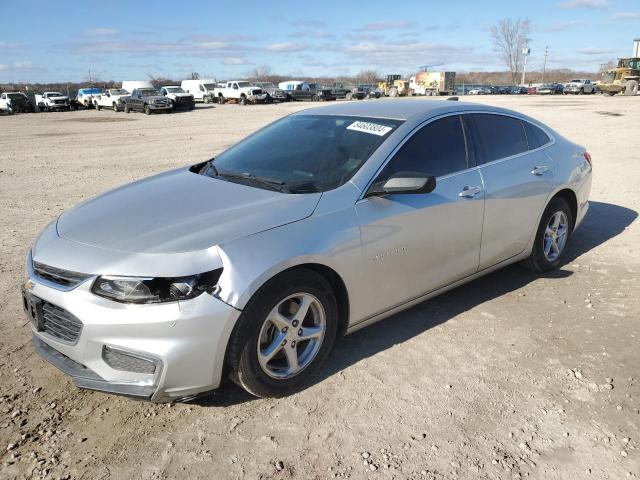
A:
[394,86]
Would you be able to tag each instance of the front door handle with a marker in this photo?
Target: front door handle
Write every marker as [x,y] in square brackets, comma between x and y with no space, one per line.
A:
[539,170]
[469,192]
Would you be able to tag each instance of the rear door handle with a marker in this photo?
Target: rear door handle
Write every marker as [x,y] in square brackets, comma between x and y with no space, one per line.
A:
[469,192]
[539,170]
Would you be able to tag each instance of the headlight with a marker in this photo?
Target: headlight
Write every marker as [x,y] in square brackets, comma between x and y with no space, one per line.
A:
[155,290]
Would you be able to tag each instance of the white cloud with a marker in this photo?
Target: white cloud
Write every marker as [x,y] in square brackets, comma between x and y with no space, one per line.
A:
[626,16]
[102,32]
[10,45]
[23,65]
[585,4]
[388,25]
[594,51]
[3,67]
[234,61]
[285,47]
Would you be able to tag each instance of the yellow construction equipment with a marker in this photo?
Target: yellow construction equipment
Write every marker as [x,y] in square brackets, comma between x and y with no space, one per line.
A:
[394,86]
[625,77]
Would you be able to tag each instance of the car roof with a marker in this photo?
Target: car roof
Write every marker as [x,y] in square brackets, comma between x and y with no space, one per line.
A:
[399,109]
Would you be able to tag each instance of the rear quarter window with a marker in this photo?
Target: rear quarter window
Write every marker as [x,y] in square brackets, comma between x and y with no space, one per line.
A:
[536,137]
[499,136]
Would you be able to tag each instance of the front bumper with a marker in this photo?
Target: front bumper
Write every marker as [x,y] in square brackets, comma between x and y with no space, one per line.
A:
[186,340]
[160,106]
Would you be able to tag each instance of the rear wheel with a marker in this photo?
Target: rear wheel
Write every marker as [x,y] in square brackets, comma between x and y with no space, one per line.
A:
[147,110]
[221,100]
[315,98]
[285,332]
[349,96]
[552,237]
[115,107]
[126,108]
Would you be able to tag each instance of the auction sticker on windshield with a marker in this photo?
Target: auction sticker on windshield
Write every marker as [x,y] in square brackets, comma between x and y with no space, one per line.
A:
[372,128]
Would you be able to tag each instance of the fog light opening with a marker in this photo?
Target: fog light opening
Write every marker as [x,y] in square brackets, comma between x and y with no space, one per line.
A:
[128,361]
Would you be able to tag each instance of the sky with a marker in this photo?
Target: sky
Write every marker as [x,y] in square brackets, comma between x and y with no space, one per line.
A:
[118,40]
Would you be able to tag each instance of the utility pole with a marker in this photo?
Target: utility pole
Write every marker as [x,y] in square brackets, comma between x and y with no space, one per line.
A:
[544,65]
[525,52]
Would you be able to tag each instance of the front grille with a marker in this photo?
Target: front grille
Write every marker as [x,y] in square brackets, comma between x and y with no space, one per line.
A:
[59,323]
[59,102]
[59,276]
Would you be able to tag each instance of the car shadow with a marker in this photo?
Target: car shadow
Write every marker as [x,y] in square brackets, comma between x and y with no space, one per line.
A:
[603,222]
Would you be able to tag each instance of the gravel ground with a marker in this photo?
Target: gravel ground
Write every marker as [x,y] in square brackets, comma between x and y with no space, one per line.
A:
[512,376]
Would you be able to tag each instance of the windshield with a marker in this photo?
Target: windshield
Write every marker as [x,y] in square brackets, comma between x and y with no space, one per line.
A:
[174,90]
[119,91]
[90,91]
[575,81]
[314,86]
[54,94]
[209,86]
[305,153]
[149,92]
[15,96]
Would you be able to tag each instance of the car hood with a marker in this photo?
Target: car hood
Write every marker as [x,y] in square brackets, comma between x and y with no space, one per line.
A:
[180,211]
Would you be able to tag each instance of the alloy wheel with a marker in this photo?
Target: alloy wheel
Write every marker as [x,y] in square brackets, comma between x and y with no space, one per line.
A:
[555,236]
[291,335]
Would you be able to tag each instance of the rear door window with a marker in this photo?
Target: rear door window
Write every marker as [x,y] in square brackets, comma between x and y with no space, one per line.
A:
[499,136]
[536,137]
[437,149]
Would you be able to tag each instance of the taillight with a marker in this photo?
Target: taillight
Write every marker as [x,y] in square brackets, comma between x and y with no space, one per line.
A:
[587,157]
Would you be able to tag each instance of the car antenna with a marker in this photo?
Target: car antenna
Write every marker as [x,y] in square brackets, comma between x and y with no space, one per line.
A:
[453,99]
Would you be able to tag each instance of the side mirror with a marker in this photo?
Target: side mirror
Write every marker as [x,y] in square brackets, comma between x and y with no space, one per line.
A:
[404,183]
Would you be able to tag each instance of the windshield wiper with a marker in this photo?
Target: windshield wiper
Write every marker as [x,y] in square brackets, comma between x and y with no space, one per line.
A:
[275,185]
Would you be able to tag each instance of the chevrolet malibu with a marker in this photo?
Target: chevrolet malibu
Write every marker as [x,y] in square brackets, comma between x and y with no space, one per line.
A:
[249,265]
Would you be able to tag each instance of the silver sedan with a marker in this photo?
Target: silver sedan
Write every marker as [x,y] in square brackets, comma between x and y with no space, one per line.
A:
[328,220]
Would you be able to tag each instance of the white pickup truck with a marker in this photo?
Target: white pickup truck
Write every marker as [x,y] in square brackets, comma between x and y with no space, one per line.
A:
[110,99]
[240,91]
[579,87]
[52,101]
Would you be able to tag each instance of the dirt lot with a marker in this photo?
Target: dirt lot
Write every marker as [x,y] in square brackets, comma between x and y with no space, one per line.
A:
[512,376]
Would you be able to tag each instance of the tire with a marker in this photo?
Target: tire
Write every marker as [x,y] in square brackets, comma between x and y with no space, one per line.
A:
[315,98]
[147,110]
[349,96]
[254,328]
[115,107]
[538,261]
[221,100]
[126,108]
[98,107]
[631,88]
[242,100]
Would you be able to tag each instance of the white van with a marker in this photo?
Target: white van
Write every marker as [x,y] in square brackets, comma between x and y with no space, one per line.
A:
[203,90]
[131,85]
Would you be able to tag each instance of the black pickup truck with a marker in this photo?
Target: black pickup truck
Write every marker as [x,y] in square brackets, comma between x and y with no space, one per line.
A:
[145,100]
[311,91]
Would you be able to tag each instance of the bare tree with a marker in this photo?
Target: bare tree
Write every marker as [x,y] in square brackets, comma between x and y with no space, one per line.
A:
[261,73]
[195,76]
[510,36]
[369,77]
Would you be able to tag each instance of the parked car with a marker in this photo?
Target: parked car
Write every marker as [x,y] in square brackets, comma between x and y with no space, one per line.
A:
[301,91]
[86,96]
[342,90]
[274,93]
[110,99]
[550,89]
[317,225]
[241,91]
[5,105]
[579,86]
[179,98]
[371,91]
[479,91]
[519,90]
[147,100]
[17,102]
[52,101]
[532,90]
[203,90]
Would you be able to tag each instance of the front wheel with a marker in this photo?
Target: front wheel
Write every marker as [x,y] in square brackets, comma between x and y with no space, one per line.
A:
[115,107]
[552,237]
[631,88]
[147,110]
[126,108]
[284,334]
